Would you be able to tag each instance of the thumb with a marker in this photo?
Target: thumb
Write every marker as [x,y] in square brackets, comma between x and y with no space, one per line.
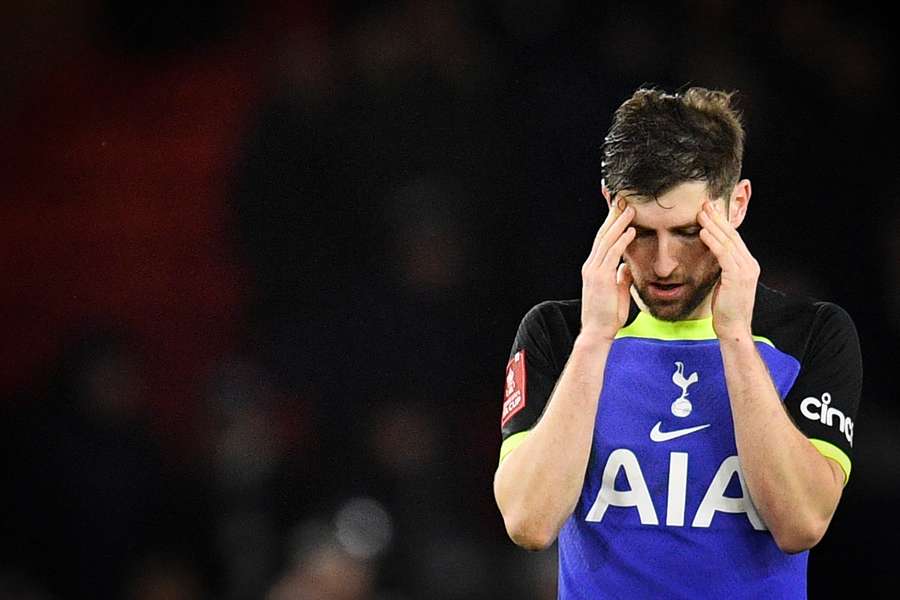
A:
[624,280]
[623,276]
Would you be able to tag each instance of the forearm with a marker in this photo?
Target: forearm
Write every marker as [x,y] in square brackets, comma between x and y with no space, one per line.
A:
[538,484]
[794,488]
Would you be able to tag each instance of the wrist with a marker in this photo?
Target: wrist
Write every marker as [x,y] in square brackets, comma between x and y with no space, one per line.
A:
[735,336]
[593,340]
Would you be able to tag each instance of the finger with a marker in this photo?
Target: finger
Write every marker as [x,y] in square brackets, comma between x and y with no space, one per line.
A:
[606,237]
[720,250]
[623,276]
[719,228]
[716,224]
[615,252]
[725,225]
[615,211]
[623,285]
[708,223]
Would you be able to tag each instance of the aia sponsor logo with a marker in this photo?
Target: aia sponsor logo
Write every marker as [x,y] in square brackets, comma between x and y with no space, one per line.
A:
[636,494]
[514,392]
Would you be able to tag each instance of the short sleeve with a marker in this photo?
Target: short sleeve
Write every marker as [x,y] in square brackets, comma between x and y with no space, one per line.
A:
[825,398]
[531,375]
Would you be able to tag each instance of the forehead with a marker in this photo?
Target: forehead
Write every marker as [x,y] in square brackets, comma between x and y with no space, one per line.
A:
[678,206]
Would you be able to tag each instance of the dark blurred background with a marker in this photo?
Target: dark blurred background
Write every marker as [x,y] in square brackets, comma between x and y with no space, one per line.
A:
[263,263]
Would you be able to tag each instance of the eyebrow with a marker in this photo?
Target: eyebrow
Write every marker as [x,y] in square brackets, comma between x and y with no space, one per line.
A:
[675,228]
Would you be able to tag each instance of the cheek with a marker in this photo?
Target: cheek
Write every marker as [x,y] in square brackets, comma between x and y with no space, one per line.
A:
[697,258]
[641,248]
[696,252]
[640,255]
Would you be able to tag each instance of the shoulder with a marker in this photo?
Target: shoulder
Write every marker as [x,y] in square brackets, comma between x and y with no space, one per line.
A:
[555,313]
[793,322]
[550,328]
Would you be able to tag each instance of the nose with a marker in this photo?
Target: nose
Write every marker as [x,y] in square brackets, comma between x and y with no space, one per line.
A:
[664,262]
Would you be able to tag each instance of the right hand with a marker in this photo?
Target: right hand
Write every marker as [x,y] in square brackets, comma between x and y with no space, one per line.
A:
[605,297]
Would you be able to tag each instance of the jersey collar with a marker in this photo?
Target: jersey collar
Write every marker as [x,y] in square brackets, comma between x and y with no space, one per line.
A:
[646,325]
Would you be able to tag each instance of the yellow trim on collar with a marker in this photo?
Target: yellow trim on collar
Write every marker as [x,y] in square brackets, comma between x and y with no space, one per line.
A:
[646,325]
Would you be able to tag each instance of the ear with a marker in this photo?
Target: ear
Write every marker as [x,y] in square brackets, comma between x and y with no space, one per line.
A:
[740,199]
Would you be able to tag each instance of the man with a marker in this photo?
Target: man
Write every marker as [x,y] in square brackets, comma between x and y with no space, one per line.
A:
[683,430]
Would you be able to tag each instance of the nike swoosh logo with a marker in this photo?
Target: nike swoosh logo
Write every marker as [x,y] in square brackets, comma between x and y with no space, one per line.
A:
[664,436]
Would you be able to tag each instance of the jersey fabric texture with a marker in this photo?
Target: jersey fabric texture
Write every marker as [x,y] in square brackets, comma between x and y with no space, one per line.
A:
[664,511]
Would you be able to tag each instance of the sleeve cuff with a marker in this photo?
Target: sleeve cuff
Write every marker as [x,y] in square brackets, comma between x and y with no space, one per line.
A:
[511,443]
[829,450]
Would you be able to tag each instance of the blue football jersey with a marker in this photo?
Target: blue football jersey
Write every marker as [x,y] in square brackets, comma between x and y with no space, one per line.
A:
[664,511]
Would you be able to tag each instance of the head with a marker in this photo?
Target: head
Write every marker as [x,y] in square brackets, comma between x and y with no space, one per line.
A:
[667,154]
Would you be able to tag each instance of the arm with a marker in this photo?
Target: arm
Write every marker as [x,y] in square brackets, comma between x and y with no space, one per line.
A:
[537,485]
[794,488]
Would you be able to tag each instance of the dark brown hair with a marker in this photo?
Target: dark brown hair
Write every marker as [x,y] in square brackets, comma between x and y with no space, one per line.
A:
[660,140]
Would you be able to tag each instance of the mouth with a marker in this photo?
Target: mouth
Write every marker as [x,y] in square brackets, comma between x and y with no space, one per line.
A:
[666,291]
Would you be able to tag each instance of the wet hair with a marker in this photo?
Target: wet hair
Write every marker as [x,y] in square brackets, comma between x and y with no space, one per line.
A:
[658,141]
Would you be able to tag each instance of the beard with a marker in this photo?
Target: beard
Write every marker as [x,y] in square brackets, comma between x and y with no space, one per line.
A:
[680,309]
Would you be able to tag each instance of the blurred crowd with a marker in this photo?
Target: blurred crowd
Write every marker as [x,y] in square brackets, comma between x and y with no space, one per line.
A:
[265,262]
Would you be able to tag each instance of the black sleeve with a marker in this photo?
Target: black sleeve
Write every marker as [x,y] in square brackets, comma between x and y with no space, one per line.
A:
[531,374]
[824,399]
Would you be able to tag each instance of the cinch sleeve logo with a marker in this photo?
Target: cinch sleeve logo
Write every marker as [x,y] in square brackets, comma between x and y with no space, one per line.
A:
[514,393]
[826,414]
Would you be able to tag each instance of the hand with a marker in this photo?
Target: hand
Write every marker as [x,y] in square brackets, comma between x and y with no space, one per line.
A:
[734,295]
[605,283]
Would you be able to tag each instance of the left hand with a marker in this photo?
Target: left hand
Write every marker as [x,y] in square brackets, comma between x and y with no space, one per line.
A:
[733,296]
